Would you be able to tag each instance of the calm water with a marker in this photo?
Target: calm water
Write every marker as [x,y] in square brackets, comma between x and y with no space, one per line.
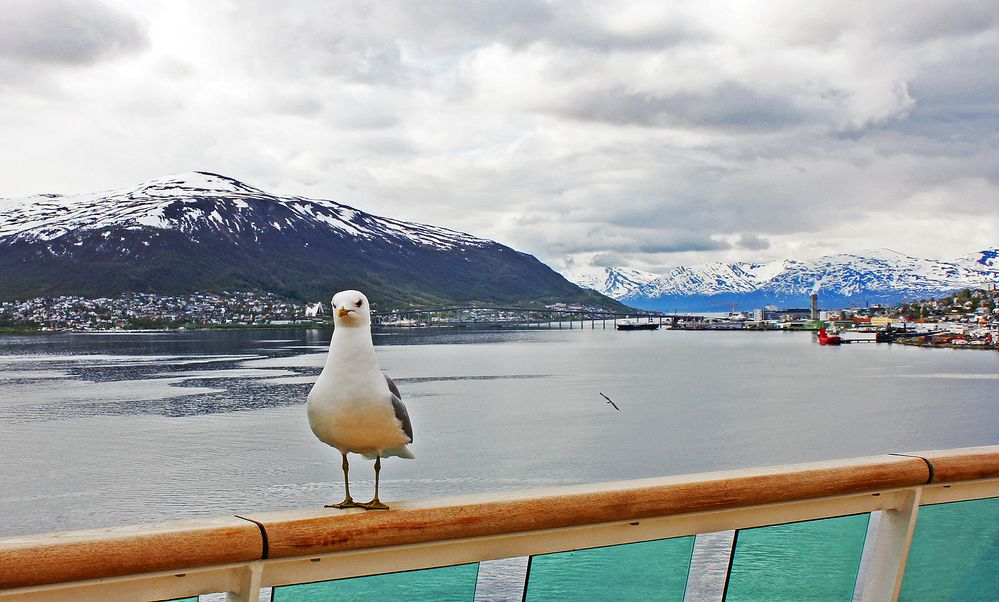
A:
[102,429]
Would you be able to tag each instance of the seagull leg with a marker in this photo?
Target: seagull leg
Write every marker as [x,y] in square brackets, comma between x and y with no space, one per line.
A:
[374,504]
[348,502]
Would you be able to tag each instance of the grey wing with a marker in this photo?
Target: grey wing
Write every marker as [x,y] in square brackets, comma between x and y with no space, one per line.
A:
[400,410]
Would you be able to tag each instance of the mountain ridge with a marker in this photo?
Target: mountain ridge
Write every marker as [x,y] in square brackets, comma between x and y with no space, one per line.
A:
[201,231]
[841,280]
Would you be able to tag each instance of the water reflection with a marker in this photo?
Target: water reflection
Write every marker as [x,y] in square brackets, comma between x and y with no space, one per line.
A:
[123,375]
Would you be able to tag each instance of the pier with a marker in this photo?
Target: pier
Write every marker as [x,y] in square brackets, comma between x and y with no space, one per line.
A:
[915,499]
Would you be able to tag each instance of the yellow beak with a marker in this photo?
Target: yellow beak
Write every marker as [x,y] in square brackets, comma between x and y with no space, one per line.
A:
[343,311]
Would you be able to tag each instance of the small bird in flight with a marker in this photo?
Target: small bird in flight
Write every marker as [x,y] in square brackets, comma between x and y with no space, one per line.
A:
[610,401]
[353,406]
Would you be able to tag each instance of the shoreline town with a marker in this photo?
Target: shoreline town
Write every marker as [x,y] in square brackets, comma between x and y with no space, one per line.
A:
[963,319]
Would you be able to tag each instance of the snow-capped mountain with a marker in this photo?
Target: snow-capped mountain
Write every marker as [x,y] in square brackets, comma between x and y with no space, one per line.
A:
[203,231]
[874,276]
[201,202]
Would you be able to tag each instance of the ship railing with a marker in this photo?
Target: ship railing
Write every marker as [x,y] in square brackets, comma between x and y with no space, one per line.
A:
[795,526]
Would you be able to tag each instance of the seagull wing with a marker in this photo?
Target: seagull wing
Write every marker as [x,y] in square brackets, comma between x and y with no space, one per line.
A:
[400,409]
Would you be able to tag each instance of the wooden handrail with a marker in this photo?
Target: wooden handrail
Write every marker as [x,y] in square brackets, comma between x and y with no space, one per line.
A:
[177,545]
[314,531]
[964,464]
[97,553]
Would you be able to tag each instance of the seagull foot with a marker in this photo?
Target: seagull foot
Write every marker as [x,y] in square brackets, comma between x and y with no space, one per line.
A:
[374,505]
[347,503]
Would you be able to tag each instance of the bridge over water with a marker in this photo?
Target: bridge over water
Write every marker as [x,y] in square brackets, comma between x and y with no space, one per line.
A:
[519,317]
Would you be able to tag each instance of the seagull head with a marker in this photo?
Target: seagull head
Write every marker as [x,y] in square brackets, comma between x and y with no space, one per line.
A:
[350,308]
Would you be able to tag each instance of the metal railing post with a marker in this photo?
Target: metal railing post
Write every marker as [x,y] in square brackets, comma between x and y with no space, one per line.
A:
[891,549]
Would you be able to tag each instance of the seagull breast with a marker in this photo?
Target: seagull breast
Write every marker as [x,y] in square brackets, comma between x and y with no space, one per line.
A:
[353,412]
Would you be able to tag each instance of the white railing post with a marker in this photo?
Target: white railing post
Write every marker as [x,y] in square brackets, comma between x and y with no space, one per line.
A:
[891,549]
[248,583]
[710,563]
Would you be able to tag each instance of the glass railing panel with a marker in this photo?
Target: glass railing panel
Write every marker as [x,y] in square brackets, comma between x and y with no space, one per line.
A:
[954,553]
[812,560]
[452,583]
[651,570]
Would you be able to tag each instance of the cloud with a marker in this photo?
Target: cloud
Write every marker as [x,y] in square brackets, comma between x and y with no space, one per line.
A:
[67,32]
[654,133]
[606,260]
[752,242]
[730,104]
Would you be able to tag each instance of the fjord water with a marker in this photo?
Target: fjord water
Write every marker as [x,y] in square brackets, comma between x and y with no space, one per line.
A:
[112,429]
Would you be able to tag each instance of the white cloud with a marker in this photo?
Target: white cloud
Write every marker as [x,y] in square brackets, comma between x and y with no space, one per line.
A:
[654,133]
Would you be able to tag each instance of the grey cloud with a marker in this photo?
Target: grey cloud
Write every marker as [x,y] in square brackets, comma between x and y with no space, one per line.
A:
[683,244]
[66,32]
[575,238]
[300,105]
[385,144]
[926,20]
[174,69]
[728,105]
[610,260]
[667,243]
[518,18]
[957,99]
[365,43]
[901,22]
[752,242]
[366,61]
[520,23]
[358,116]
[317,41]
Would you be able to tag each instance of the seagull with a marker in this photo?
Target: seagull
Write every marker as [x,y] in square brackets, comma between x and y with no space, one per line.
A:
[610,401]
[353,406]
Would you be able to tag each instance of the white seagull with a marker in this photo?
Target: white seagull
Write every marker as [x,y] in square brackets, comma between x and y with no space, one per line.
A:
[353,406]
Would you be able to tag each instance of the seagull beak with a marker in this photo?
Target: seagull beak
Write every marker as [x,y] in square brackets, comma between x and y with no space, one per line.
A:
[343,311]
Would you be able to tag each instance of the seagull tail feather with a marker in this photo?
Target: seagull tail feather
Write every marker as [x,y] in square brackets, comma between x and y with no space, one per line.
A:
[400,452]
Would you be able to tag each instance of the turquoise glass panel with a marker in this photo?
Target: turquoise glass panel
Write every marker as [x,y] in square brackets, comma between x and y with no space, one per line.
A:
[449,583]
[813,560]
[954,553]
[191,599]
[650,570]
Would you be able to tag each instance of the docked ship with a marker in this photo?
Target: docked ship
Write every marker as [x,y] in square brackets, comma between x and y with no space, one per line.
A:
[630,324]
[828,339]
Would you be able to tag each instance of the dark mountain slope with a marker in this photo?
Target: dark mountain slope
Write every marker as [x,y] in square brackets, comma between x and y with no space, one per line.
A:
[205,232]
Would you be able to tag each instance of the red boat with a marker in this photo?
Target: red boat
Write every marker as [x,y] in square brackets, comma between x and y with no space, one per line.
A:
[828,339]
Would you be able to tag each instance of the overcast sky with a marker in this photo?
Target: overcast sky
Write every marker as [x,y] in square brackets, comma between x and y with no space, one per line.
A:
[645,134]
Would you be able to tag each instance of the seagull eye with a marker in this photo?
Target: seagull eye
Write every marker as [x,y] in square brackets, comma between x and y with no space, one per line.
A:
[359,303]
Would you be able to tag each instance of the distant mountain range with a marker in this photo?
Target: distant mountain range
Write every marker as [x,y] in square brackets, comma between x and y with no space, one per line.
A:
[845,280]
[207,232]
